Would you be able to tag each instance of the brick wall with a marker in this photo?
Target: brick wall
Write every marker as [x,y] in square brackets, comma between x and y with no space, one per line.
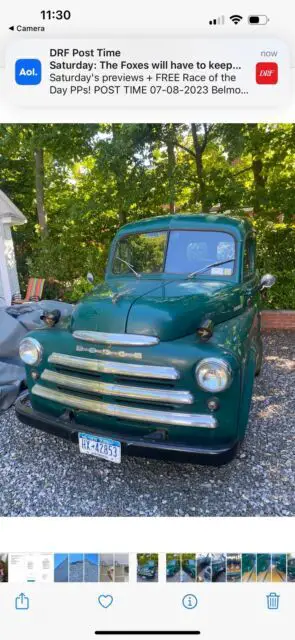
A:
[280,320]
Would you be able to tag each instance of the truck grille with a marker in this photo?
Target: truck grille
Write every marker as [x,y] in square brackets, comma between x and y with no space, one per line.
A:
[125,412]
[116,368]
[118,390]
[132,383]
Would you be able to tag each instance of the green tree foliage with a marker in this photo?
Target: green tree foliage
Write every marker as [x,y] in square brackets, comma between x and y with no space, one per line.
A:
[276,255]
[77,183]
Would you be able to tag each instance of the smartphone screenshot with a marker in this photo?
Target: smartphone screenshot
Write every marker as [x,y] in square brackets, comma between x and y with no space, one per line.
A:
[147,320]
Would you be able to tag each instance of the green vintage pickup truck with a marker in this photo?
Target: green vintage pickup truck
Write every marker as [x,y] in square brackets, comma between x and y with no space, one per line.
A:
[161,357]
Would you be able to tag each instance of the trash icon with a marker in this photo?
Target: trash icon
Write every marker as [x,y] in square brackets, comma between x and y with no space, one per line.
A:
[273,600]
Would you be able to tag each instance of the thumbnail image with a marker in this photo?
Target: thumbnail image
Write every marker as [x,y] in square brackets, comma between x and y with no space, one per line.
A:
[218,564]
[188,567]
[91,567]
[263,567]
[3,567]
[45,567]
[204,567]
[147,567]
[233,567]
[173,564]
[278,567]
[76,568]
[107,569]
[31,567]
[291,567]
[249,567]
[61,567]
[121,567]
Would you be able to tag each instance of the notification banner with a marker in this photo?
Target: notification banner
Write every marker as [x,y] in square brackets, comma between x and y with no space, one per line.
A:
[148,72]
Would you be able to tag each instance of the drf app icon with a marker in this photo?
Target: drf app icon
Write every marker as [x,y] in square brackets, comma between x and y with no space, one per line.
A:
[267,73]
[28,71]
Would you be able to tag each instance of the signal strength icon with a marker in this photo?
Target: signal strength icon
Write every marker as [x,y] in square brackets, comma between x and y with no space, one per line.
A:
[219,20]
[236,18]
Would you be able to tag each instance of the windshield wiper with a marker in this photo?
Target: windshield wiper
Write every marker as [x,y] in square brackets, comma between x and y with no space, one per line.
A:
[214,264]
[128,265]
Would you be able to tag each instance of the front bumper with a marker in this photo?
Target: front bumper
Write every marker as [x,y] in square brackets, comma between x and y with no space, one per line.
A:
[149,446]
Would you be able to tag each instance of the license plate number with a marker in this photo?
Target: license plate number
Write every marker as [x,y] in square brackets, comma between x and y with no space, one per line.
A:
[100,447]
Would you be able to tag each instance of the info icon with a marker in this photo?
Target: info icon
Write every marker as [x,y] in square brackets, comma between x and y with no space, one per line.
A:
[189,601]
[28,71]
[267,73]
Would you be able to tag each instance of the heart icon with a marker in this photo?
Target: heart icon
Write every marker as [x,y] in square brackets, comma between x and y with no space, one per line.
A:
[105,601]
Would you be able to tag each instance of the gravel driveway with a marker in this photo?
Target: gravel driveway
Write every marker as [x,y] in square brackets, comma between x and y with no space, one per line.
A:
[44,476]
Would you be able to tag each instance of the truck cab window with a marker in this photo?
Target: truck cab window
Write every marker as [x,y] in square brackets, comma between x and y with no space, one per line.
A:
[192,250]
[143,251]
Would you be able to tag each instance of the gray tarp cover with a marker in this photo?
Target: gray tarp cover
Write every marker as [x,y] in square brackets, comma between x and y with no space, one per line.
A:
[15,322]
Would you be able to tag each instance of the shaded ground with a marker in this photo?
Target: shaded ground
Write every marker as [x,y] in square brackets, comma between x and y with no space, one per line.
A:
[143,579]
[45,476]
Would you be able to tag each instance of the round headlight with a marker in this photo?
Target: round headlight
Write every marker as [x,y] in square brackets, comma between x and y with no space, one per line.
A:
[213,374]
[30,351]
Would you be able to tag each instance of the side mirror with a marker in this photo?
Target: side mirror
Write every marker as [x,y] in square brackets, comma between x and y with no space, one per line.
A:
[90,277]
[267,281]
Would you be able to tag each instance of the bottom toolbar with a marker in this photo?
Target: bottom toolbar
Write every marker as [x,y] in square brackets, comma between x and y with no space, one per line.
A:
[85,611]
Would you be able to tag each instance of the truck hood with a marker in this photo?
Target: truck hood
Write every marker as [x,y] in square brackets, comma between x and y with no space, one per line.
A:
[107,307]
[167,310]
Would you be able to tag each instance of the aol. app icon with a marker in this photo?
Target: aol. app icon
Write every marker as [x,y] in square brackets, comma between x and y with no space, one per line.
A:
[28,71]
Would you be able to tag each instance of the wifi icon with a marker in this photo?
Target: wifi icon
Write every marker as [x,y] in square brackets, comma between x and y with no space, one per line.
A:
[236,18]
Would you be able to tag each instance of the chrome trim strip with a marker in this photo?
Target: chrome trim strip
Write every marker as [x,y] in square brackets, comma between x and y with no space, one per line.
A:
[116,368]
[125,339]
[127,413]
[119,390]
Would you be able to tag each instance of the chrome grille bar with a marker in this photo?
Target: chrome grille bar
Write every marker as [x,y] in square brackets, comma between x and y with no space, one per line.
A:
[119,390]
[116,368]
[124,339]
[127,413]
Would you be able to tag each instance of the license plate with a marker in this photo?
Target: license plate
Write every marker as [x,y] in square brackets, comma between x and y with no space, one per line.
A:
[100,447]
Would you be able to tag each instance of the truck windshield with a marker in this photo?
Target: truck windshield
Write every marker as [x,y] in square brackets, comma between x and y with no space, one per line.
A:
[175,252]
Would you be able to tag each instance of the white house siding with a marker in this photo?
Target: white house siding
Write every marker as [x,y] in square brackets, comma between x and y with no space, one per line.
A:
[4,280]
[10,259]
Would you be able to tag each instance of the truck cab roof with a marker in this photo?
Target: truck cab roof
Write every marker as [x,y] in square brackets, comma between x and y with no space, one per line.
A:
[235,225]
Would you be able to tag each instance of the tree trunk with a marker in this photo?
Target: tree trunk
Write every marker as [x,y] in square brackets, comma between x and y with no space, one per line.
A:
[171,167]
[39,184]
[199,166]
[258,168]
[122,216]
[119,169]
[123,213]
[259,183]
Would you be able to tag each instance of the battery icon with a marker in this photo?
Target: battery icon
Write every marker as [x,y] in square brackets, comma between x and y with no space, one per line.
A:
[258,19]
